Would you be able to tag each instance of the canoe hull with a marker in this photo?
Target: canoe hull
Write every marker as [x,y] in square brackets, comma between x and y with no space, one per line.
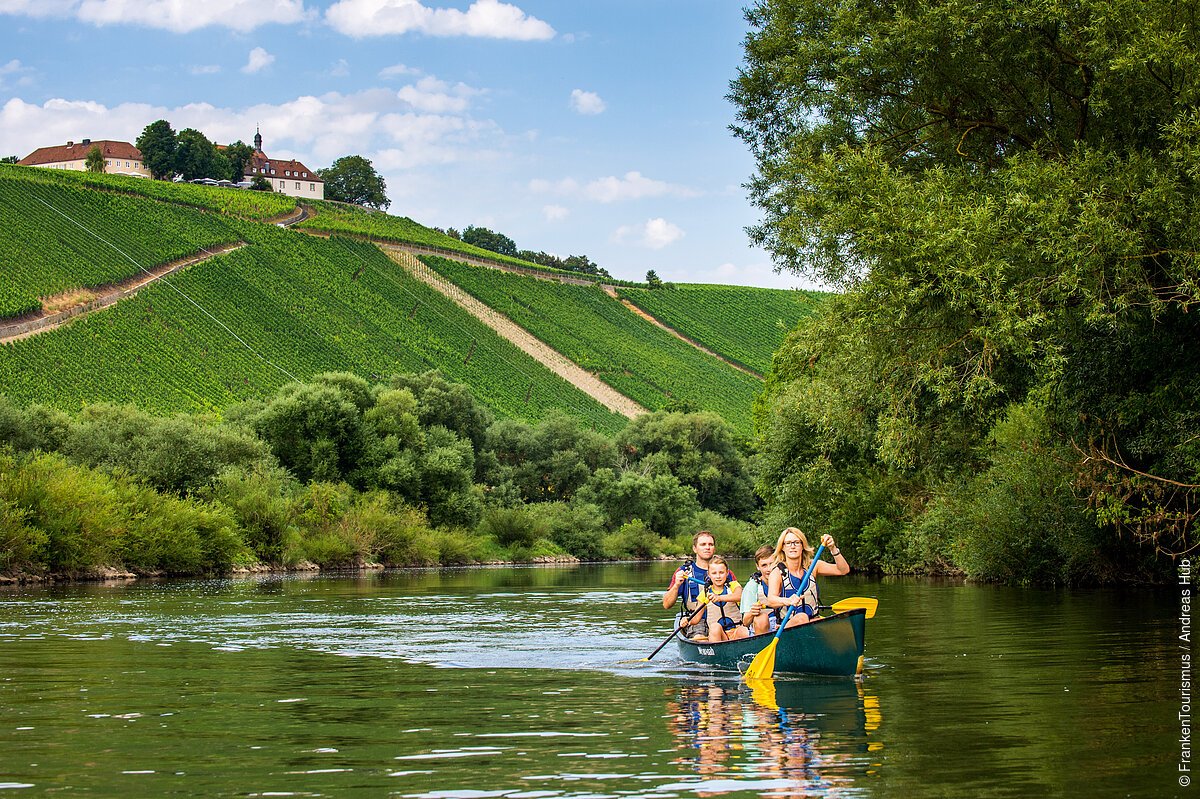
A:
[831,646]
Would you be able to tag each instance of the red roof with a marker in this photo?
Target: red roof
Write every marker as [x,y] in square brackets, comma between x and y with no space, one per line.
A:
[261,164]
[77,151]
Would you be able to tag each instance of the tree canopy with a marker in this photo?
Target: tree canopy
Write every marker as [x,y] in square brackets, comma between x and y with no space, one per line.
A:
[489,240]
[157,145]
[1004,194]
[352,179]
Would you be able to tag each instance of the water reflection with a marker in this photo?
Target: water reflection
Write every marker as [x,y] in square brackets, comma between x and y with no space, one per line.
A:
[781,737]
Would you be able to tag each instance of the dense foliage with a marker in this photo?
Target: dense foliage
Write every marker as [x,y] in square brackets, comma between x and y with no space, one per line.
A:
[745,325]
[190,154]
[352,179]
[594,330]
[1005,193]
[58,237]
[340,472]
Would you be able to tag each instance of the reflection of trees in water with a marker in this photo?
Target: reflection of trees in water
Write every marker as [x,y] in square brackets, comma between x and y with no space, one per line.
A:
[808,733]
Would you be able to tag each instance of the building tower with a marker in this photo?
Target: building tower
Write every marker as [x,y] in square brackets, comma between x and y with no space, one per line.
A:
[257,140]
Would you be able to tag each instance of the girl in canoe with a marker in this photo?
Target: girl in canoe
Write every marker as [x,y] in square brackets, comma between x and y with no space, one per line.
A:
[794,555]
[723,616]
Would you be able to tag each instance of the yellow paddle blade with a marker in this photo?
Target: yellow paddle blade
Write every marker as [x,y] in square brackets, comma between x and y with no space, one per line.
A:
[763,665]
[869,604]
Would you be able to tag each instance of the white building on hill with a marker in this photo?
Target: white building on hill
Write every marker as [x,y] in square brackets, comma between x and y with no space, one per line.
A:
[120,157]
[287,177]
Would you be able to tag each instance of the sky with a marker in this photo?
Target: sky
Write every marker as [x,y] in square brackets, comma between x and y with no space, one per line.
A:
[594,128]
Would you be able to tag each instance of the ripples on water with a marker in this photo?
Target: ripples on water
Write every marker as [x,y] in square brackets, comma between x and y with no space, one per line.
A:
[529,683]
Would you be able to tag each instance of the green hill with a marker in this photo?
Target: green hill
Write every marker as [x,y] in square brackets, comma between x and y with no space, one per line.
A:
[594,330]
[286,306]
[302,305]
[745,325]
[52,219]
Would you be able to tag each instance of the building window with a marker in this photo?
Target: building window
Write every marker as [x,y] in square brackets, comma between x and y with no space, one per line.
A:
[305,174]
[297,185]
[312,187]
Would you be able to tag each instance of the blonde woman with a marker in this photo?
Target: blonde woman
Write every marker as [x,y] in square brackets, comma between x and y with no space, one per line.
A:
[794,555]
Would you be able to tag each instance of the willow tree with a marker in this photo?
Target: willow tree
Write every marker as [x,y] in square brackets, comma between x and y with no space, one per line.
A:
[1005,194]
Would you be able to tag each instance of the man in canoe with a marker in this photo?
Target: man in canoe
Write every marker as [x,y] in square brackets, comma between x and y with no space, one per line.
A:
[688,583]
[794,556]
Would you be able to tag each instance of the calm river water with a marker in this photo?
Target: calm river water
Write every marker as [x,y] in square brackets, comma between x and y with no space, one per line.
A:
[515,682]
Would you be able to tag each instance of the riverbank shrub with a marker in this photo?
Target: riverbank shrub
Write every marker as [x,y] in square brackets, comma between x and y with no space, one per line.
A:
[341,472]
[635,541]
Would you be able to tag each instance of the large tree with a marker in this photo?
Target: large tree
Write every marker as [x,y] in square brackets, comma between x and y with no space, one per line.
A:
[197,157]
[157,145]
[237,155]
[1005,195]
[352,179]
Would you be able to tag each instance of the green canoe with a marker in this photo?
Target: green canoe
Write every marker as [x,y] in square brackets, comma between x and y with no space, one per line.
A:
[832,645]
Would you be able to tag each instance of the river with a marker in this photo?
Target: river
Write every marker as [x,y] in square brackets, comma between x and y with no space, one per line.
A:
[530,683]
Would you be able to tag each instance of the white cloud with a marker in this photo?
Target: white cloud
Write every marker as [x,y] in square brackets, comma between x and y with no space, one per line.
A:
[204,69]
[555,213]
[259,59]
[395,70]
[340,68]
[631,186]
[587,103]
[15,73]
[180,16]
[437,96]
[653,234]
[489,19]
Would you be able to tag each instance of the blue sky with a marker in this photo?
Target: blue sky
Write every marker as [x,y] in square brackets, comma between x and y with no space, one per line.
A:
[597,128]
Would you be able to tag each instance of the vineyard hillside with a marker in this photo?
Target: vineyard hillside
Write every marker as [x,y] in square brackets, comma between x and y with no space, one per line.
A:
[284,307]
[743,324]
[642,361]
[328,217]
[58,237]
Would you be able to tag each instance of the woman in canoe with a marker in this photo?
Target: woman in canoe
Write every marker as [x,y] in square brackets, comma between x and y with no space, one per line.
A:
[794,555]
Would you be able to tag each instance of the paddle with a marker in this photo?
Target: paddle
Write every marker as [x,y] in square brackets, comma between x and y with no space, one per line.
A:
[763,665]
[869,604]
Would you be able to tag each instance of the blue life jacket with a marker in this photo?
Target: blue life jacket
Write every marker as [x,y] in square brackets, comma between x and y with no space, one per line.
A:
[791,585]
[691,589]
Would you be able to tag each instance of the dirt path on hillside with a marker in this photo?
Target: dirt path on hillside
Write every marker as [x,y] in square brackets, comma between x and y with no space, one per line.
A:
[59,308]
[556,362]
[612,292]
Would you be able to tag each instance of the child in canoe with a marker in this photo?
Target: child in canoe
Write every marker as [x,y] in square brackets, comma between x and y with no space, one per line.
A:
[756,616]
[723,615]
